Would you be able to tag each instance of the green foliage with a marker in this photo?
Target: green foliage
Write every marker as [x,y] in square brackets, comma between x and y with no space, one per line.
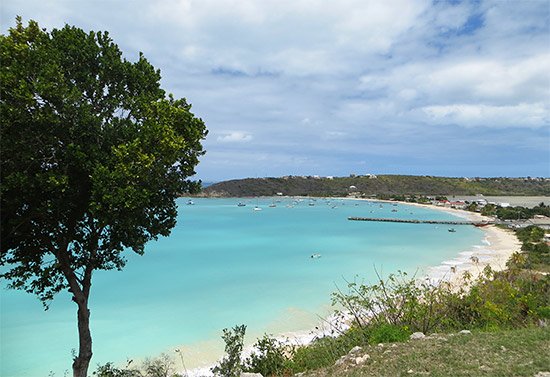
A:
[398,300]
[536,252]
[109,370]
[384,186]
[161,366]
[230,365]
[519,212]
[387,333]
[325,351]
[93,154]
[530,234]
[495,300]
[269,358]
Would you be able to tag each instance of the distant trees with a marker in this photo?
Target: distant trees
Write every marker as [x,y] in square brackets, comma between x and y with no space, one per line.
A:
[382,186]
[93,155]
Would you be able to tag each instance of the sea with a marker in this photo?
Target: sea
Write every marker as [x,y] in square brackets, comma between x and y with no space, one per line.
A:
[270,264]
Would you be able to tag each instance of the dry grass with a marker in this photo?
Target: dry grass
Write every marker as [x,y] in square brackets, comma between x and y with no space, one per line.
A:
[522,352]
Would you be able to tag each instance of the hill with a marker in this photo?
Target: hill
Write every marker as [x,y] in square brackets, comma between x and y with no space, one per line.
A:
[379,185]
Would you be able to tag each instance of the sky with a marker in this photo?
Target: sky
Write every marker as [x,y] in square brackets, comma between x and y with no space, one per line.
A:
[311,87]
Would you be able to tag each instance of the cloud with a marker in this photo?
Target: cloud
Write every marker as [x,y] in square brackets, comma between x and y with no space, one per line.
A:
[319,85]
[235,137]
[522,115]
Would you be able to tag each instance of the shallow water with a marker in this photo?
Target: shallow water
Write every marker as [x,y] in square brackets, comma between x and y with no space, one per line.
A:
[225,265]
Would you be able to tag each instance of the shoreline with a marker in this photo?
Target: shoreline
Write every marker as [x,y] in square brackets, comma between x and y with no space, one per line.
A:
[497,247]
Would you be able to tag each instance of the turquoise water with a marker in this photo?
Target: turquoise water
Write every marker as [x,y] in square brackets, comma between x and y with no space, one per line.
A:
[224,265]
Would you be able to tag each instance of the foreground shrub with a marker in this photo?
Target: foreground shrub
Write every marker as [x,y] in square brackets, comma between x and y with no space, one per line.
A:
[230,365]
[270,358]
[162,366]
[400,301]
[387,333]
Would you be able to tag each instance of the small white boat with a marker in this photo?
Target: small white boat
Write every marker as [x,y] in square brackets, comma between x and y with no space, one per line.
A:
[190,202]
[315,256]
[241,204]
[256,208]
[452,230]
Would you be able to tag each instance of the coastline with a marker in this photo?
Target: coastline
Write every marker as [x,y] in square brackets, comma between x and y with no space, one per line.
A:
[498,245]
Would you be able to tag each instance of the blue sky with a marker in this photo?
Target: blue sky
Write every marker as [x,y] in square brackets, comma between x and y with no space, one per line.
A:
[308,87]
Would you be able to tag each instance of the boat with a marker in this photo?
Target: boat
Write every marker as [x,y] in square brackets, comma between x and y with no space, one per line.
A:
[315,256]
[256,208]
[452,230]
[190,202]
[479,225]
[241,204]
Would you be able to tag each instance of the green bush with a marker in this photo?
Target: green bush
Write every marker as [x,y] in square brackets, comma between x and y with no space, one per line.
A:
[270,358]
[387,333]
[230,365]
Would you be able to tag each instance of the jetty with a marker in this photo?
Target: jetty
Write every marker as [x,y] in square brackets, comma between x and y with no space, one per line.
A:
[415,221]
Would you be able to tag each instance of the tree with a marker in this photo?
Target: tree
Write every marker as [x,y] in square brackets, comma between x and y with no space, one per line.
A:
[93,156]
[231,365]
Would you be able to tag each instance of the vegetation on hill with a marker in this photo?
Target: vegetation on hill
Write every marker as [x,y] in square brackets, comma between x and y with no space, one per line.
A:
[380,185]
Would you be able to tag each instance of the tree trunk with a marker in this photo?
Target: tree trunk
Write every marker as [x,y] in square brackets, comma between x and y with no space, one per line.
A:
[82,361]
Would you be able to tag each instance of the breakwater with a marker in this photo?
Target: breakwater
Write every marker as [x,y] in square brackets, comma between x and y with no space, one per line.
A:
[415,221]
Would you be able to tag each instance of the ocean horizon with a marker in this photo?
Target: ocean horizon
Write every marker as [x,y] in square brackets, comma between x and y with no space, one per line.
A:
[225,265]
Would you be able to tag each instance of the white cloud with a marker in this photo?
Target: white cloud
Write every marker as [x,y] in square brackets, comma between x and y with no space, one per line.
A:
[235,137]
[522,115]
[342,79]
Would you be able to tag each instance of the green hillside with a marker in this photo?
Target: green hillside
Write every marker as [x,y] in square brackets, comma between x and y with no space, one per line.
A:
[380,185]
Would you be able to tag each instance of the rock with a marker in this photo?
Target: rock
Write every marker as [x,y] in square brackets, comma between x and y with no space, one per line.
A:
[465,332]
[380,344]
[361,360]
[503,349]
[410,371]
[542,374]
[251,375]
[354,350]
[485,368]
[341,361]
[417,335]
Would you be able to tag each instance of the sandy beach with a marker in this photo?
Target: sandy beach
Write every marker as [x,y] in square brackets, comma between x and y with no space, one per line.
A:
[497,247]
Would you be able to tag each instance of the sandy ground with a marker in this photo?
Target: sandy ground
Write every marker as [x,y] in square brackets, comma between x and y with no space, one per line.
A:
[499,244]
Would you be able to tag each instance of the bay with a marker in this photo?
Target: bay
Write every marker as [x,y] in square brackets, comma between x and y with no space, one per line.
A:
[225,265]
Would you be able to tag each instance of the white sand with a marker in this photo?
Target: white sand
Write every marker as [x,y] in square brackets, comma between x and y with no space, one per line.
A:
[498,246]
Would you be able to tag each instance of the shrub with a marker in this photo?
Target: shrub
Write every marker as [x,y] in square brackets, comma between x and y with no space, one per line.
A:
[399,300]
[230,365]
[387,333]
[270,358]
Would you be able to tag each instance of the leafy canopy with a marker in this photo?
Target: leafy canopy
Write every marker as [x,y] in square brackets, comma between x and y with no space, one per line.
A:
[93,155]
